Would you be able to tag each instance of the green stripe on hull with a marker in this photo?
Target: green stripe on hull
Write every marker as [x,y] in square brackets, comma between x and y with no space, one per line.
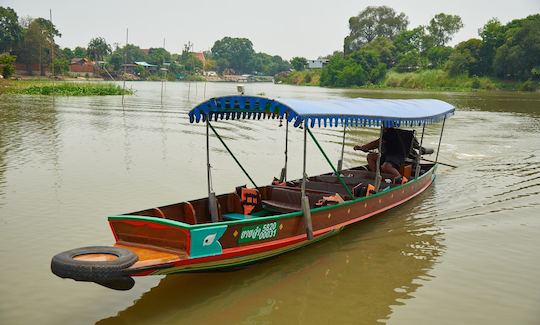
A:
[238,261]
[273,217]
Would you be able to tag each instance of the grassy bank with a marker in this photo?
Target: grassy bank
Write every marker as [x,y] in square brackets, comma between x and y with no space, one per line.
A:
[425,79]
[60,88]
[440,80]
[301,78]
[436,80]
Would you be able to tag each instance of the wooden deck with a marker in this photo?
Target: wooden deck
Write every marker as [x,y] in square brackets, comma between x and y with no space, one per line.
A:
[152,256]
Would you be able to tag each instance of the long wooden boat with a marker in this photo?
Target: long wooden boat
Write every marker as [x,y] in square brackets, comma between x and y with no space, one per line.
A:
[249,225]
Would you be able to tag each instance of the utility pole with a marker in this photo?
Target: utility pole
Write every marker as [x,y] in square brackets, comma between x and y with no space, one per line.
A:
[52,44]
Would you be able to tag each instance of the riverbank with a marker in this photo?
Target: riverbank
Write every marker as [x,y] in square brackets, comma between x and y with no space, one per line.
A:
[421,80]
[61,88]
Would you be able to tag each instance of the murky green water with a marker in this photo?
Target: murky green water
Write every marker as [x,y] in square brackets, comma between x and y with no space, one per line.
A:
[467,251]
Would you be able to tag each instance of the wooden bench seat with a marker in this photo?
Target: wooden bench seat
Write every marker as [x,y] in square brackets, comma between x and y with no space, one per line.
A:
[284,199]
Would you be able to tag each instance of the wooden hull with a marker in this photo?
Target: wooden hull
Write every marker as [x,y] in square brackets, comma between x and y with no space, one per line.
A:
[230,244]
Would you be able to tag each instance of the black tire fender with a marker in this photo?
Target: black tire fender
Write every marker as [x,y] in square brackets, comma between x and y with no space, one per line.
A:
[65,265]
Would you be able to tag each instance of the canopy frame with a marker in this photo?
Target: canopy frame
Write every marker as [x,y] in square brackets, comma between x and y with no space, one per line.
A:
[358,112]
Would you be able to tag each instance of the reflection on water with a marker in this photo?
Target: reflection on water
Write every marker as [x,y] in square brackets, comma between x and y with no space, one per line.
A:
[345,278]
[469,240]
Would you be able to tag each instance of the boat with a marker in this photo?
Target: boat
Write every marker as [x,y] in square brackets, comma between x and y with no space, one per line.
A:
[252,224]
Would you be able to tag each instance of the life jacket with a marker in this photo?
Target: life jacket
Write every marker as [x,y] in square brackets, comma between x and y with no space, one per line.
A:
[370,190]
[250,199]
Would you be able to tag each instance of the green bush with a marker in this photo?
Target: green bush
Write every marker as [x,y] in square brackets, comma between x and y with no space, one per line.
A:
[67,89]
[529,85]
[7,65]
[475,83]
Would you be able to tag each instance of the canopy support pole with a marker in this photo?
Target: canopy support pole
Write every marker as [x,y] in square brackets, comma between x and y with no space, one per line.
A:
[230,153]
[283,177]
[331,165]
[378,176]
[340,162]
[305,201]
[419,155]
[212,200]
[440,139]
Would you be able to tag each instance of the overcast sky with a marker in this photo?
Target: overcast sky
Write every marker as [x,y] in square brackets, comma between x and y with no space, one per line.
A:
[283,27]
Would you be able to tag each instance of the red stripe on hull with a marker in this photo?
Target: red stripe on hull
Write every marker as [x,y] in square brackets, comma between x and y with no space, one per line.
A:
[229,253]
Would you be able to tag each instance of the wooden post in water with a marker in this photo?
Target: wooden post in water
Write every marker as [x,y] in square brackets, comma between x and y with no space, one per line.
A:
[164,76]
[52,52]
[125,72]
[52,46]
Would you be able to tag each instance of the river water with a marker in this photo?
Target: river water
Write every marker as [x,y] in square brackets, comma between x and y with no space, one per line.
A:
[466,251]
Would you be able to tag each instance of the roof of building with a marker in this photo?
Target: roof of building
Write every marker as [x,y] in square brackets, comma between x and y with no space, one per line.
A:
[200,56]
[145,64]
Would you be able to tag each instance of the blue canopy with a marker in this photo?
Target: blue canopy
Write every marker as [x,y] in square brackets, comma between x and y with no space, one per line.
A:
[330,112]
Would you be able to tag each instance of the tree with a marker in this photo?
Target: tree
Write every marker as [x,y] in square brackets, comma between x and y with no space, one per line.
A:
[116,60]
[408,61]
[268,65]
[442,28]
[384,48]
[411,40]
[37,42]
[6,65]
[233,53]
[188,61]
[358,69]
[79,52]
[61,65]
[438,55]
[299,63]
[98,48]
[371,23]
[158,56]
[466,58]
[492,34]
[519,56]
[10,30]
[67,53]
[132,53]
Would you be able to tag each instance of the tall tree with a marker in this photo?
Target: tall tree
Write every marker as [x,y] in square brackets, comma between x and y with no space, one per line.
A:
[234,53]
[411,40]
[188,61]
[67,53]
[37,42]
[384,48]
[98,48]
[519,56]
[466,58]
[492,34]
[371,23]
[158,56]
[268,65]
[442,28]
[299,63]
[10,30]
[79,52]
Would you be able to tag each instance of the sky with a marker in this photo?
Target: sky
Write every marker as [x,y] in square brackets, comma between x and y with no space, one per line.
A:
[307,28]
